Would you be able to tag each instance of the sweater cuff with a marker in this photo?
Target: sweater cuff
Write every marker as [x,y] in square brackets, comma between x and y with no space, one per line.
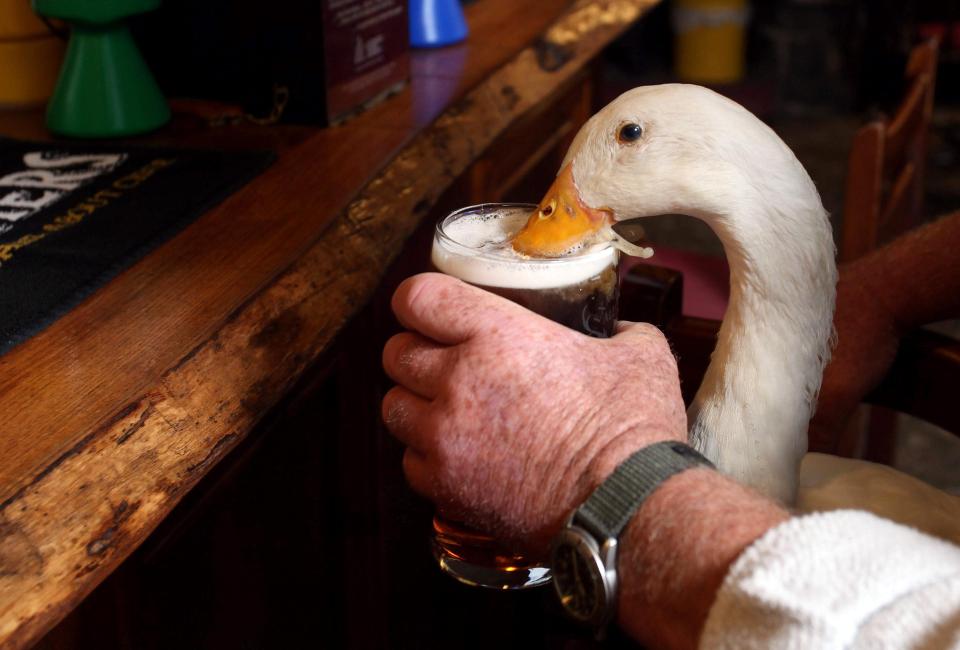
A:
[813,580]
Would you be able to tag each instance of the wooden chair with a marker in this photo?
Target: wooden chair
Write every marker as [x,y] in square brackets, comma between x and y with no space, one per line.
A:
[884,190]
[884,199]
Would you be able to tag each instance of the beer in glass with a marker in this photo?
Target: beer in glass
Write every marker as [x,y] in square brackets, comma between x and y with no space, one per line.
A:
[579,290]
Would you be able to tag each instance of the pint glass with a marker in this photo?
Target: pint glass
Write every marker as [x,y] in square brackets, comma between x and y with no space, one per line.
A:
[579,290]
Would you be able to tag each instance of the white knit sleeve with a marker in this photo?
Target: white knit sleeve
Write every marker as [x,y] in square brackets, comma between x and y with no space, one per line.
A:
[842,579]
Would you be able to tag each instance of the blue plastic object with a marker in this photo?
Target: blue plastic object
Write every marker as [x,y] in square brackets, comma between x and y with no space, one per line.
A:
[435,23]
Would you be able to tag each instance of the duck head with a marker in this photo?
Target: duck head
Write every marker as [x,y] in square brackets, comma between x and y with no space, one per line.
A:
[668,149]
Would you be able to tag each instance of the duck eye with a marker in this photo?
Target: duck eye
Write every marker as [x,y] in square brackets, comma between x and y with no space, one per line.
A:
[630,133]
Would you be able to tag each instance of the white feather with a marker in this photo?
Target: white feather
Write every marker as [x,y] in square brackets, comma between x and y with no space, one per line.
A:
[703,155]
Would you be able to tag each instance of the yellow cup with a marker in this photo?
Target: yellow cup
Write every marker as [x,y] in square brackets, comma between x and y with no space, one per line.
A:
[30,56]
[709,40]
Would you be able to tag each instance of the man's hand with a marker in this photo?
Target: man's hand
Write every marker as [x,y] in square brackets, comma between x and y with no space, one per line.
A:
[510,419]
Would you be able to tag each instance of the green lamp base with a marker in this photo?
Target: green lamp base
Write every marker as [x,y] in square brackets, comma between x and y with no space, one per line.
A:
[105,88]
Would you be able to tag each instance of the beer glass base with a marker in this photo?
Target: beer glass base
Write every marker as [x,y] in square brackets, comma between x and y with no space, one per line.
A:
[490,577]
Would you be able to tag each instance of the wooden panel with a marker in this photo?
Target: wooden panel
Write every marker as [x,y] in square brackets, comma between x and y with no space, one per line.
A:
[861,204]
[898,215]
[910,118]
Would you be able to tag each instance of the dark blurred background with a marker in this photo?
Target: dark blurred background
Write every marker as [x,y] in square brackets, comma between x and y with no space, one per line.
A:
[815,70]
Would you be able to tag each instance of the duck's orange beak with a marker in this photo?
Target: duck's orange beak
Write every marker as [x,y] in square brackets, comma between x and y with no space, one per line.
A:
[561,221]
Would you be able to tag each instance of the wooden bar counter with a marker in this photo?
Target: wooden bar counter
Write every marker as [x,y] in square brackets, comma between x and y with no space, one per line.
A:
[114,413]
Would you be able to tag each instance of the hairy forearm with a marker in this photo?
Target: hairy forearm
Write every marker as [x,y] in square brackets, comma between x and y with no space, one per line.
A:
[916,277]
[677,549]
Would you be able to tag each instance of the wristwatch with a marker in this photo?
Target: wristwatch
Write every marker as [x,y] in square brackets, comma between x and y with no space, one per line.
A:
[583,557]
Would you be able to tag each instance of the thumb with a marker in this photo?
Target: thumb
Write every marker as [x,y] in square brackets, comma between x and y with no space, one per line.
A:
[627,330]
[448,310]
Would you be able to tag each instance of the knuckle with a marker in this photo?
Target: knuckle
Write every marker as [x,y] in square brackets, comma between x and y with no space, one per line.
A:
[651,331]
[393,349]
[392,409]
[668,359]
[413,293]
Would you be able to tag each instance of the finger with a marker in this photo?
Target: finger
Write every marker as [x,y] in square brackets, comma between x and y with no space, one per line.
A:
[448,310]
[419,476]
[416,363]
[406,416]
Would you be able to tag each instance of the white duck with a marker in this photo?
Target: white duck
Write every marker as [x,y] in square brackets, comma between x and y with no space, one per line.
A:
[680,149]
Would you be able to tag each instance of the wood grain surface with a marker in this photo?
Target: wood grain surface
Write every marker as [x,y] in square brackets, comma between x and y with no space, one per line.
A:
[116,410]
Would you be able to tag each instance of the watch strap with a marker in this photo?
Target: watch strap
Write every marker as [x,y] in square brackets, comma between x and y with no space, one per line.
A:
[614,502]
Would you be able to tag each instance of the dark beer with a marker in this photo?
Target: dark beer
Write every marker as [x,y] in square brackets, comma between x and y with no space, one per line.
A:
[579,290]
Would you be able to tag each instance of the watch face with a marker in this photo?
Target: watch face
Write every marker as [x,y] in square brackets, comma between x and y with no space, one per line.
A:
[578,576]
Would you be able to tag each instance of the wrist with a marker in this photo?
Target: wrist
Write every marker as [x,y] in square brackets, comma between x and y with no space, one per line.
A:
[584,554]
[675,553]
[602,458]
[616,450]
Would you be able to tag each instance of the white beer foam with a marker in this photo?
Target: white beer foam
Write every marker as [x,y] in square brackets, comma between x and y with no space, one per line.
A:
[477,250]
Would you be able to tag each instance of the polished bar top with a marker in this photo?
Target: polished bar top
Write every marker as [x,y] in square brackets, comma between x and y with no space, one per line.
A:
[115,411]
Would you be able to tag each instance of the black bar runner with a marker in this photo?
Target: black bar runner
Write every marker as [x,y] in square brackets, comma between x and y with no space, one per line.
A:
[74,215]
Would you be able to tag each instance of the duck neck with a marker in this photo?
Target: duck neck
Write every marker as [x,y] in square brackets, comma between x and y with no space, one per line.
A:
[751,413]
